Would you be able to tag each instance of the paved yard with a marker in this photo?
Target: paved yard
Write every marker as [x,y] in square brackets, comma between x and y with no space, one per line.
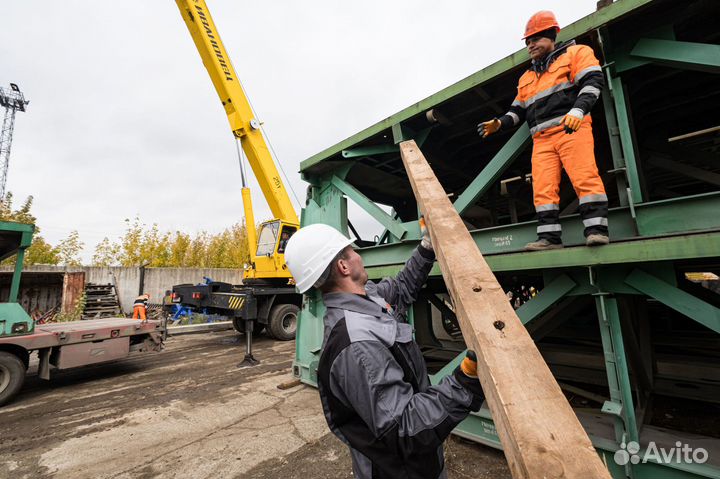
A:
[187,412]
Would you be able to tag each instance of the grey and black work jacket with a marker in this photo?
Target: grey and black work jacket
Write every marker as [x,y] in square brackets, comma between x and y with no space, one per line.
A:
[374,385]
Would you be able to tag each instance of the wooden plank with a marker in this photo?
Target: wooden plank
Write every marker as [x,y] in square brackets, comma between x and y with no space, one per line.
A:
[539,431]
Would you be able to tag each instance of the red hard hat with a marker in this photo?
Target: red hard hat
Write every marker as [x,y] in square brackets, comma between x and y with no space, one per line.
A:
[539,22]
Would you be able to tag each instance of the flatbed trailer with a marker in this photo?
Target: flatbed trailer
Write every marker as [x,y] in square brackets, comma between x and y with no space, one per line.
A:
[59,345]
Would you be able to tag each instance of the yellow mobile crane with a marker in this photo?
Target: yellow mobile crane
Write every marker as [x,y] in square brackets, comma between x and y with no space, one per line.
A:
[267,296]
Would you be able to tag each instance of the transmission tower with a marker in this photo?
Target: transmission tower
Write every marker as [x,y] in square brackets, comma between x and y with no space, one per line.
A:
[13,100]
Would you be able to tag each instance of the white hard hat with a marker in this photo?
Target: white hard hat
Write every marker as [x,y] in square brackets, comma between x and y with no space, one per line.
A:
[310,251]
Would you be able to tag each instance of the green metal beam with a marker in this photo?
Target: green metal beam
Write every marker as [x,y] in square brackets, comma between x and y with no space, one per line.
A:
[620,60]
[370,151]
[504,158]
[621,396]
[626,138]
[685,55]
[659,218]
[550,294]
[394,226]
[615,144]
[686,170]
[401,133]
[679,300]
[15,285]
[660,249]
[678,215]
[422,135]
[18,227]
[328,206]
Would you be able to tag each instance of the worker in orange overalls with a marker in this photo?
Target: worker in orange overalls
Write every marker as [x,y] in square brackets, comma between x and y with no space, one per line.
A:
[140,306]
[555,96]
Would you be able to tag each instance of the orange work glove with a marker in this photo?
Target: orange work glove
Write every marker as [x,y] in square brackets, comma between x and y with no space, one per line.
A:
[469,364]
[573,120]
[466,375]
[487,128]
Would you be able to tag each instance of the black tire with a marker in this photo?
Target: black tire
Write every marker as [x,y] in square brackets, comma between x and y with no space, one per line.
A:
[268,333]
[282,323]
[12,376]
[239,325]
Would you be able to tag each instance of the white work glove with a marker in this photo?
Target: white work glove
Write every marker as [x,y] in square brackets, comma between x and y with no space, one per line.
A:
[425,242]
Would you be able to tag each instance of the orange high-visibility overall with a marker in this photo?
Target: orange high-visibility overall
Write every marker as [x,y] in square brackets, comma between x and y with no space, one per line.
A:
[140,308]
[139,312]
[571,80]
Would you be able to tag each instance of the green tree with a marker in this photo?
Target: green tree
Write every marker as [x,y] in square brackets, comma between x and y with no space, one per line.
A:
[69,249]
[179,249]
[41,252]
[142,244]
[130,247]
[106,253]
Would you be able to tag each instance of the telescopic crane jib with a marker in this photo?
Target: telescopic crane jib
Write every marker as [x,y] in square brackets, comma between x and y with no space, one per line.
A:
[266,245]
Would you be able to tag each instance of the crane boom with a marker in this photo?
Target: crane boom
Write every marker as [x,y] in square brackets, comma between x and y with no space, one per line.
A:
[243,123]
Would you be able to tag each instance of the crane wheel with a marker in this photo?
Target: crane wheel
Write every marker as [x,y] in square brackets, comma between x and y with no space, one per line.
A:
[239,325]
[282,323]
[12,376]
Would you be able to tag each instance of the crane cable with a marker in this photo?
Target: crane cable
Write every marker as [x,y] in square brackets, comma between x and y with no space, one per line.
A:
[272,149]
[243,179]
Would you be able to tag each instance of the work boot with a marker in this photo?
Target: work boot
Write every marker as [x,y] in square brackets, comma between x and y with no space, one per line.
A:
[541,245]
[596,240]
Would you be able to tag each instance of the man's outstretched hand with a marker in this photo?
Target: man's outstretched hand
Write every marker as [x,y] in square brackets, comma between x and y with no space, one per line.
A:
[425,241]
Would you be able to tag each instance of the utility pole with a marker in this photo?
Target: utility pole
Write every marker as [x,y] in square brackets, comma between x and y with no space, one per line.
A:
[13,100]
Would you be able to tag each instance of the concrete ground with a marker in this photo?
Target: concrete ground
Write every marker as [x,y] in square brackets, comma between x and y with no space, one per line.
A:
[187,412]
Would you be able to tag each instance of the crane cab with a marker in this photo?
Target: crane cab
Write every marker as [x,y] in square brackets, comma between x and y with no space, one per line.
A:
[268,260]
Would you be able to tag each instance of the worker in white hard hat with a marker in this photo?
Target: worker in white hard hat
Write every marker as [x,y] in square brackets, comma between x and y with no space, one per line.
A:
[372,378]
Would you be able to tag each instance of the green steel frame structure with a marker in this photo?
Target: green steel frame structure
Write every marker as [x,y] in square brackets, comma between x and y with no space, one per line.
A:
[627,335]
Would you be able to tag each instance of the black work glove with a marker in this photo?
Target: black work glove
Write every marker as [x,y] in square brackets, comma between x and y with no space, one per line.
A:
[466,375]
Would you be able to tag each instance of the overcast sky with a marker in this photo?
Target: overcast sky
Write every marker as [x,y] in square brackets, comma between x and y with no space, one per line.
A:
[123,119]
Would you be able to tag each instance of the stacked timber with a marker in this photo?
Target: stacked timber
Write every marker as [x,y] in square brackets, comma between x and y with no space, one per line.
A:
[101,301]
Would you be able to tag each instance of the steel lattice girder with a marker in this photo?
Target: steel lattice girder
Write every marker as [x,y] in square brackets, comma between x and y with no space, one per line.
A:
[649,237]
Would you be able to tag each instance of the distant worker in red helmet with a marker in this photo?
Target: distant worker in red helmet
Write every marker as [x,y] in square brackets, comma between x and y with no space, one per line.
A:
[555,96]
[140,306]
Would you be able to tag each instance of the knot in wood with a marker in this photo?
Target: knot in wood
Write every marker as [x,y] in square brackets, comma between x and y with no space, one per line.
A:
[499,325]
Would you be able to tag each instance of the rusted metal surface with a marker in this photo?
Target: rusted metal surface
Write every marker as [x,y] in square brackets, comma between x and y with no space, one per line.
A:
[39,292]
[60,334]
[81,354]
[72,290]
[125,279]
